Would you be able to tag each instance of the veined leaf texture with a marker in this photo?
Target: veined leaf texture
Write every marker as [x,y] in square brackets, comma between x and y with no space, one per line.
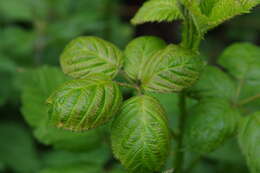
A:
[89,55]
[140,135]
[84,104]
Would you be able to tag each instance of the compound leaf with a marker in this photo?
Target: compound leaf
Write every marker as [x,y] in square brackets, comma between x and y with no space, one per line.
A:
[140,135]
[249,139]
[83,104]
[211,123]
[158,11]
[88,55]
[138,52]
[171,70]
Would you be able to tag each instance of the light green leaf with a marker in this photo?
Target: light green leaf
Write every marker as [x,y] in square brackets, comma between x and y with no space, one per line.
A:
[249,139]
[140,135]
[17,150]
[88,55]
[210,123]
[139,52]
[158,11]
[83,104]
[227,9]
[207,5]
[213,83]
[171,70]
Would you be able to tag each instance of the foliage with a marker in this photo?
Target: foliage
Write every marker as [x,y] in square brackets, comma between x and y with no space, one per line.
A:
[178,114]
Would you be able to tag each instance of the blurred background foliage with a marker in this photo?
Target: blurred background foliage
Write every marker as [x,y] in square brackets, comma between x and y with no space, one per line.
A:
[33,34]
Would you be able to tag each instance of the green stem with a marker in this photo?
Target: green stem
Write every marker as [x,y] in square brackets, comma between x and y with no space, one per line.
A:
[248,100]
[191,38]
[182,120]
[126,85]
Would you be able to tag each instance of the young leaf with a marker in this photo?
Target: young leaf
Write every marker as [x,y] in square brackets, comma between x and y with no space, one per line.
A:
[138,53]
[140,135]
[158,11]
[213,83]
[211,123]
[88,55]
[207,5]
[249,139]
[227,9]
[171,70]
[83,104]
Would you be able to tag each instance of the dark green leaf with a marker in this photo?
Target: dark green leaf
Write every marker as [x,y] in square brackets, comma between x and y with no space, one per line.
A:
[17,150]
[210,123]
[249,139]
[213,83]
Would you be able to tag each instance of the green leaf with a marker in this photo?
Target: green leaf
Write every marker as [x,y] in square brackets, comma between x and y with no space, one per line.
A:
[213,83]
[207,5]
[140,135]
[88,55]
[158,11]
[139,52]
[16,9]
[249,139]
[210,124]
[17,150]
[36,86]
[83,104]
[74,168]
[227,9]
[229,152]
[80,162]
[242,61]
[61,139]
[171,70]
[7,72]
